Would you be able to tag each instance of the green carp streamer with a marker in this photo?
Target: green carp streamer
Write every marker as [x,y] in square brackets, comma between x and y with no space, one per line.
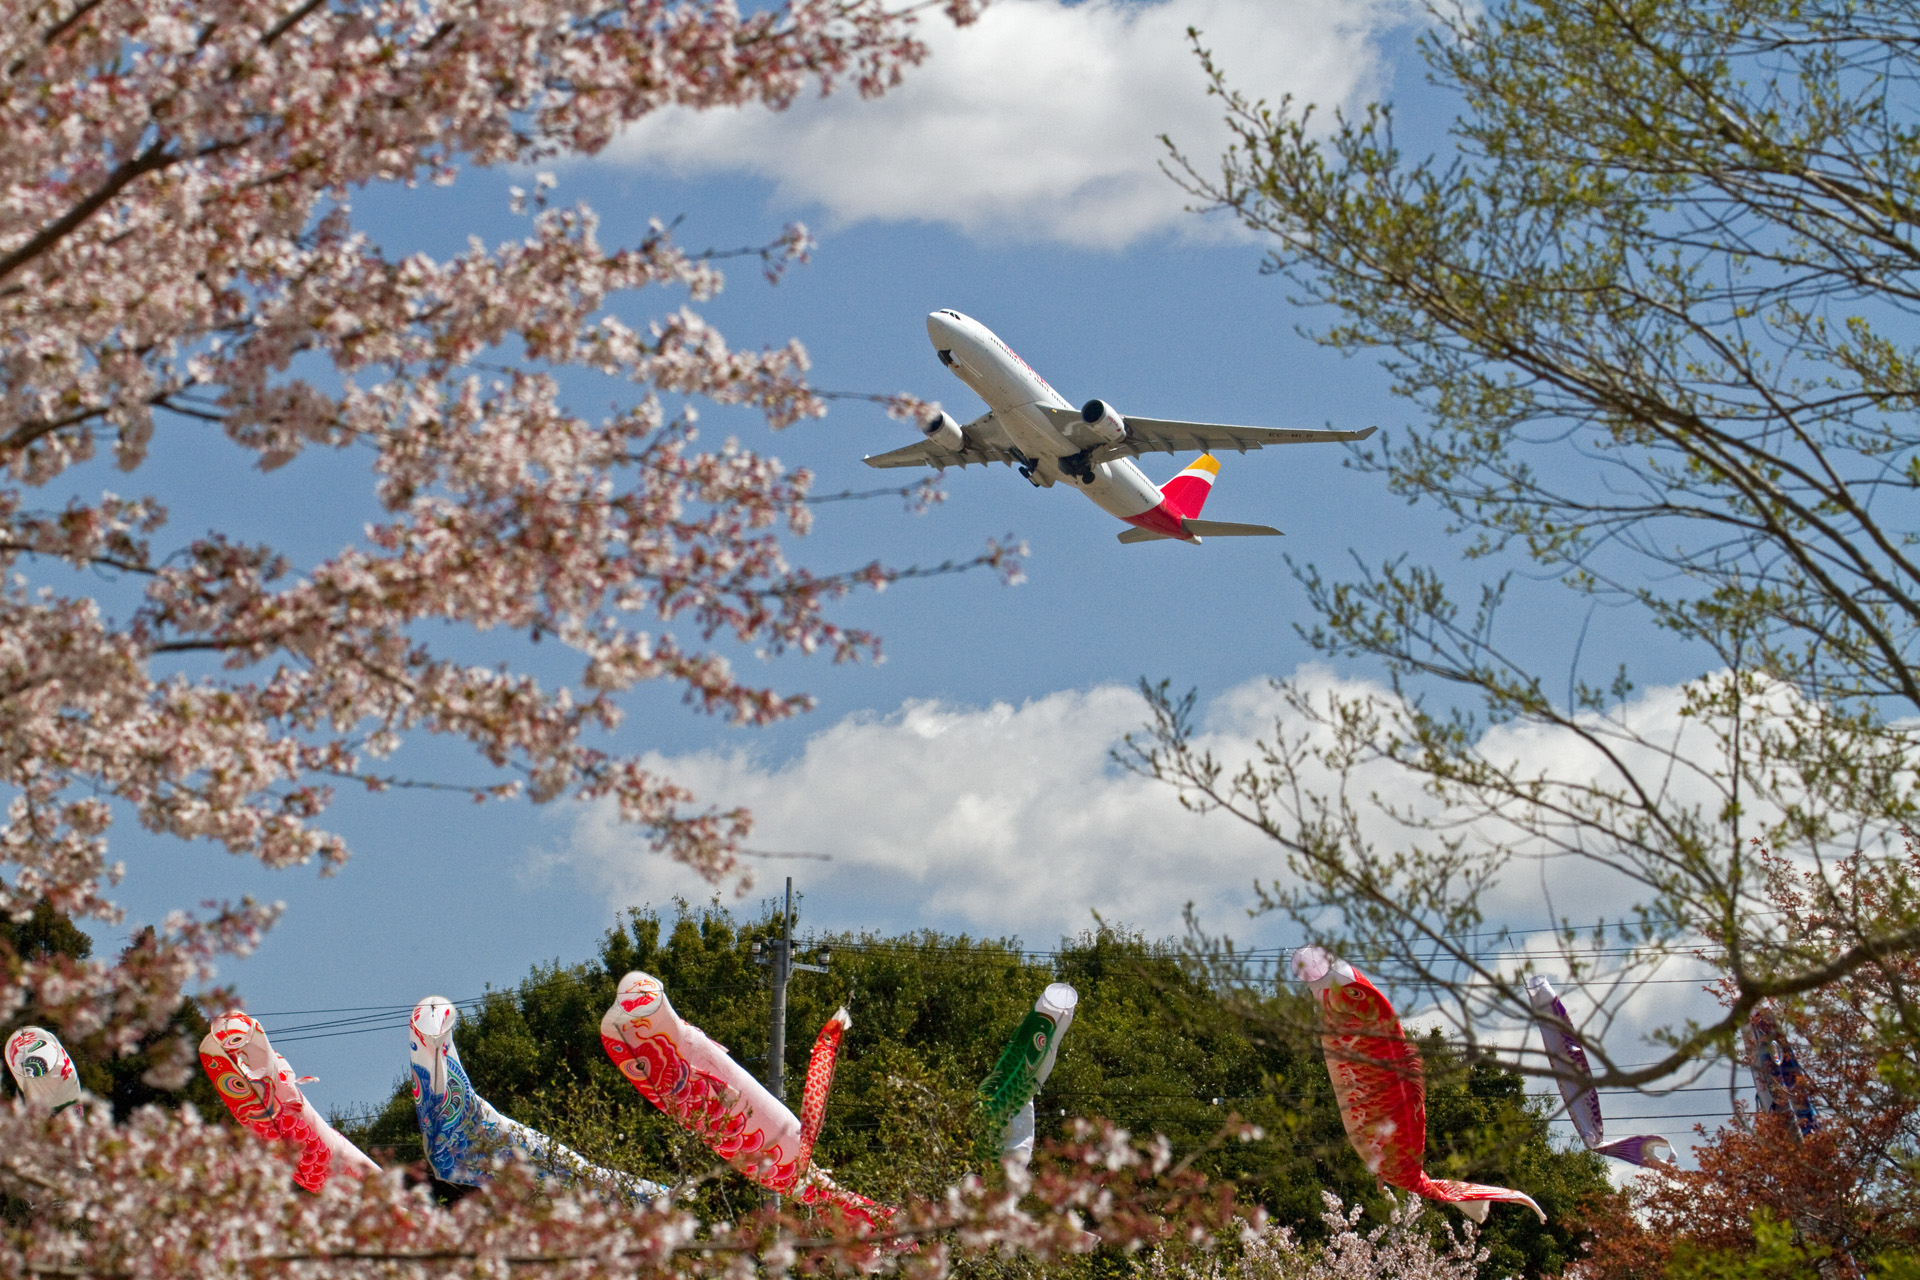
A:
[1016,1077]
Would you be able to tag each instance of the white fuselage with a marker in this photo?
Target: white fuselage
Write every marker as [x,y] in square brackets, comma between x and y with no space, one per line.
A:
[1014,392]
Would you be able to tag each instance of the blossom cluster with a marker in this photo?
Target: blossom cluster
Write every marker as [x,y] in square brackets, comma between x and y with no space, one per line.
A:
[165,1195]
[1401,1248]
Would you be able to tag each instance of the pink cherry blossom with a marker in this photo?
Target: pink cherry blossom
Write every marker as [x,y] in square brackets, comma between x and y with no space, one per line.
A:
[167,1196]
[1401,1248]
[178,253]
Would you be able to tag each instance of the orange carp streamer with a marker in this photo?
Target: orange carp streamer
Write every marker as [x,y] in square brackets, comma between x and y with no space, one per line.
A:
[1382,1092]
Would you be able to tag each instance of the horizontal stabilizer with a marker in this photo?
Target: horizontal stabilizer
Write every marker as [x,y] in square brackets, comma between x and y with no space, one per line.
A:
[1144,535]
[1226,529]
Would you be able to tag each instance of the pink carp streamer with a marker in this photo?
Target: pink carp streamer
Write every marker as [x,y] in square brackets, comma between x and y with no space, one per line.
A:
[259,1087]
[1777,1079]
[1378,1081]
[678,1068]
[1583,1104]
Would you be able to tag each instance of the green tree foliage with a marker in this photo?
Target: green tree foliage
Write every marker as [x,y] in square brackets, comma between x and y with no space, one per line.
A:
[124,1081]
[1652,298]
[1776,1255]
[1154,1046]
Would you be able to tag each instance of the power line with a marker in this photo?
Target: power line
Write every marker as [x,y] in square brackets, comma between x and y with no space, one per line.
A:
[394,1017]
[379,1018]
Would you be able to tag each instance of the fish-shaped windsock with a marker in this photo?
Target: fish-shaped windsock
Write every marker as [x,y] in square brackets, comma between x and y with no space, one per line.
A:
[1777,1078]
[1007,1094]
[679,1069]
[461,1131]
[42,1069]
[264,1095]
[813,1097]
[1378,1080]
[1583,1104]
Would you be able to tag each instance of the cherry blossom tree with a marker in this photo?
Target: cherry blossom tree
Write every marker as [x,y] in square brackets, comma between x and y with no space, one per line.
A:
[178,252]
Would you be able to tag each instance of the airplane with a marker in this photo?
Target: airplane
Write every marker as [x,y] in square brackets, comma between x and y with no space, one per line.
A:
[1029,425]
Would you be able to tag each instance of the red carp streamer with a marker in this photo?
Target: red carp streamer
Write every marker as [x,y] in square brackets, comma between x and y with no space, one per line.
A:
[1378,1080]
[813,1099]
[259,1087]
[678,1067]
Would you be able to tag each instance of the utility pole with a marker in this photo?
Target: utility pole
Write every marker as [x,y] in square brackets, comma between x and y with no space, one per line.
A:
[778,954]
[782,971]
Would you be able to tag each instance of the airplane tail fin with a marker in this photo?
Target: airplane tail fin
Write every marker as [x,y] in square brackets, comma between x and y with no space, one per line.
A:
[1187,492]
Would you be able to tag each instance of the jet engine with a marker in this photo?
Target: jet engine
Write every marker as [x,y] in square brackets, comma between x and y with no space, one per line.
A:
[944,432]
[1106,424]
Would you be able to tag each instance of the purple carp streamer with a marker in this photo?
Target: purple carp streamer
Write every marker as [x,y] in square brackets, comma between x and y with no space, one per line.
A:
[1583,1103]
[1777,1079]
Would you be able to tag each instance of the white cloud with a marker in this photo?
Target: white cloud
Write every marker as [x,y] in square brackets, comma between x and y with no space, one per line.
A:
[995,820]
[1005,820]
[1041,120]
[1016,820]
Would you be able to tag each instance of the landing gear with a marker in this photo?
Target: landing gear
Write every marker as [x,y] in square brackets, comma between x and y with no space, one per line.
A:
[1078,465]
[1029,469]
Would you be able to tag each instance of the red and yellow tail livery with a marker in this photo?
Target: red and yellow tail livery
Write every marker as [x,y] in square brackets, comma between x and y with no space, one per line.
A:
[1178,515]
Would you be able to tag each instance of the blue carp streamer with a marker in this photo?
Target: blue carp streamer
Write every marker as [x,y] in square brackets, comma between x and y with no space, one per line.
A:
[463,1134]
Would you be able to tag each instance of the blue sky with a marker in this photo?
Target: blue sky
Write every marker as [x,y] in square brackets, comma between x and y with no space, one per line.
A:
[963,783]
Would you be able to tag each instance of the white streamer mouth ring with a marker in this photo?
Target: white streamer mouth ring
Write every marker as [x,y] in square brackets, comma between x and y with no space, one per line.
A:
[1310,964]
[434,1017]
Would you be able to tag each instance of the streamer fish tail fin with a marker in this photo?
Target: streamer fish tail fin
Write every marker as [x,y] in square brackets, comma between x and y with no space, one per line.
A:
[1475,1198]
[819,1190]
[1642,1149]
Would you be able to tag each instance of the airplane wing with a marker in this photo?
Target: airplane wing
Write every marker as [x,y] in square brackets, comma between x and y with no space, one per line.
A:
[986,441]
[1165,435]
